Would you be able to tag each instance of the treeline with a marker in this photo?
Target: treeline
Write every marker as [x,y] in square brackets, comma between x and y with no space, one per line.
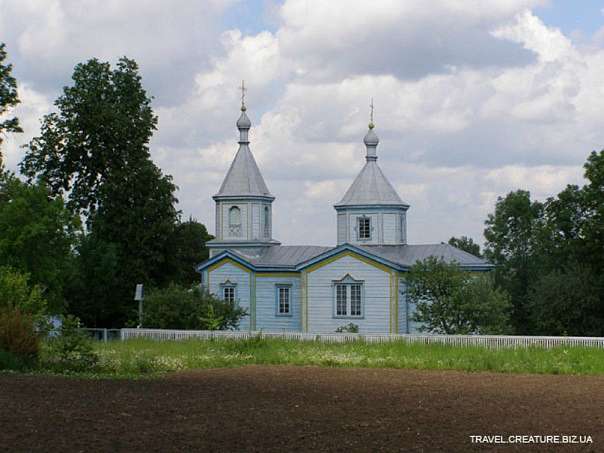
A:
[549,256]
[96,215]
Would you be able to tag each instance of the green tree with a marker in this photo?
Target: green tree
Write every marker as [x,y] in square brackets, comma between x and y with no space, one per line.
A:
[16,293]
[511,244]
[449,300]
[100,132]
[189,246]
[95,151]
[567,302]
[178,307]
[466,244]
[8,99]
[37,233]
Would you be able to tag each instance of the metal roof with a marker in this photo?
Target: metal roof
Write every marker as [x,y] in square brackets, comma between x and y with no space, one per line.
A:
[371,187]
[288,255]
[408,255]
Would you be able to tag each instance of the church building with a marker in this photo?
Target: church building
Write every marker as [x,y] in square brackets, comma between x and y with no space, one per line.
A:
[311,288]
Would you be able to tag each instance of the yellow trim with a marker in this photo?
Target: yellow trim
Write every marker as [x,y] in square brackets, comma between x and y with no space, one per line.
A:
[352,254]
[253,301]
[227,260]
[394,276]
[278,274]
[304,300]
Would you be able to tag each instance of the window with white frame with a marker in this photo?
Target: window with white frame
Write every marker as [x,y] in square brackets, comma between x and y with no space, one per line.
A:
[228,291]
[348,294]
[364,228]
[284,305]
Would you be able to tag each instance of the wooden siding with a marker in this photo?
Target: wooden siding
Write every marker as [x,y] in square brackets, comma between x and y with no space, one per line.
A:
[403,308]
[376,296]
[389,226]
[256,221]
[266,304]
[228,270]
[342,228]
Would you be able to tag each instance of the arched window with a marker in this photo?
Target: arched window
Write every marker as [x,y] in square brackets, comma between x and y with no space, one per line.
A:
[267,223]
[235,221]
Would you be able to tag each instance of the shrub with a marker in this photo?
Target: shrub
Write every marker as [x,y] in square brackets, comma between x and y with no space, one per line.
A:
[348,328]
[71,349]
[177,307]
[17,294]
[17,334]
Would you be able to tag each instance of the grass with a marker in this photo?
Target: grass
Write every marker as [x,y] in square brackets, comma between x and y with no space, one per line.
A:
[140,357]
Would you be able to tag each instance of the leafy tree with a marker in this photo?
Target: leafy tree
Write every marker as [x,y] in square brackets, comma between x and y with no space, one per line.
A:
[90,291]
[100,133]
[178,307]
[95,151]
[512,246]
[37,234]
[567,302]
[466,244]
[16,293]
[8,98]
[189,245]
[449,300]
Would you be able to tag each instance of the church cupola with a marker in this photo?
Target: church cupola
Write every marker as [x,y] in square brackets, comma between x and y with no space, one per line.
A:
[371,212]
[243,202]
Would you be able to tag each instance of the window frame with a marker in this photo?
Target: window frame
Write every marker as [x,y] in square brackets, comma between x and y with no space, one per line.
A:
[267,224]
[364,218]
[347,283]
[278,288]
[231,286]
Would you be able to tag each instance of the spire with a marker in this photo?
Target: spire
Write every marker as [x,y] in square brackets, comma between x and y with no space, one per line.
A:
[244,177]
[371,187]
[371,139]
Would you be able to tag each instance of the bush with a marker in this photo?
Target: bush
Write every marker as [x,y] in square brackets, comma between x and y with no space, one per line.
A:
[71,349]
[348,328]
[16,293]
[177,307]
[17,335]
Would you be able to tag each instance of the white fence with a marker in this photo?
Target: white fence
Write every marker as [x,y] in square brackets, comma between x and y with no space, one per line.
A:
[490,341]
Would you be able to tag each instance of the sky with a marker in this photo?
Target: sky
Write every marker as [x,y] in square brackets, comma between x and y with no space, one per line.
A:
[473,98]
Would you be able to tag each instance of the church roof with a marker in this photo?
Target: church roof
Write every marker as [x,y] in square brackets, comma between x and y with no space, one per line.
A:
[371,187]
[295,257]
[244,177]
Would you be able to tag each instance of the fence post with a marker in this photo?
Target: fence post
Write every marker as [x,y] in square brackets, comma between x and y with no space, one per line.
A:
[105,335]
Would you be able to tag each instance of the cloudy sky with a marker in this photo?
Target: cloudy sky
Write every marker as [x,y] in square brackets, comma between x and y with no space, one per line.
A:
[473,98]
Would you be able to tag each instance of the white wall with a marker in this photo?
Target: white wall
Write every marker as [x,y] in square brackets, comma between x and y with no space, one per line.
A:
[266,304]
[376,301]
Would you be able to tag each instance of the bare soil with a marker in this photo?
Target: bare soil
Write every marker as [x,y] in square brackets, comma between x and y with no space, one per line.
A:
[283,409]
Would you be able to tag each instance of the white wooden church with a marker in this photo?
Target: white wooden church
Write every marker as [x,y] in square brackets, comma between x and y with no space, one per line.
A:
[310,288]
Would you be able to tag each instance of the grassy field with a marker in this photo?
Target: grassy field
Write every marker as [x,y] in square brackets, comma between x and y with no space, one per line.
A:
[147,357]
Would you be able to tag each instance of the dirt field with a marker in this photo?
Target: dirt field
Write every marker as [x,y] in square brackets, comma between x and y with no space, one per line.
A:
[297,409]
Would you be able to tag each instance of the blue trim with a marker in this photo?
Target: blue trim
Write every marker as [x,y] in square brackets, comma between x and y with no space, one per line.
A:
[222,255]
